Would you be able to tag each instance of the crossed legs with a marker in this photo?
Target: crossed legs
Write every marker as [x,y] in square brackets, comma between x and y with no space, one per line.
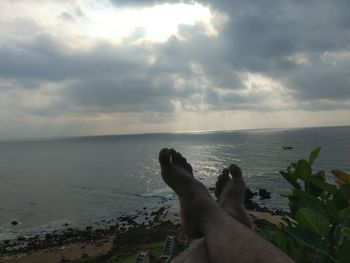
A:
[225,227]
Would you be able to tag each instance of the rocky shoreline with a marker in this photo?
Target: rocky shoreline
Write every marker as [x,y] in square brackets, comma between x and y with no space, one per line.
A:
[69,235]
[119,232]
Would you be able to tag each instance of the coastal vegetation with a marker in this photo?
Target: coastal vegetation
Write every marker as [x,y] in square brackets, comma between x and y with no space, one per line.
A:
[317,228]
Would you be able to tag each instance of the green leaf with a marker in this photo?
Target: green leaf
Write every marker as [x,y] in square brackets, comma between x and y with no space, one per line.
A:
[303,170]
[337,234]
[281,240]
[343,249]
[290,179]
[342,197]
[313,221]
[277,237]
[332,209]
[344,192]
[312,188]
[293,204]
[322,185]
[308,201]
[345,213]
[313,155]
[296,252]
[308,239]
[345,233]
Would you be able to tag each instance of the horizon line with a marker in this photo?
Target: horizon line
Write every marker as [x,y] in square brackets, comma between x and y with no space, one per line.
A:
[48,138]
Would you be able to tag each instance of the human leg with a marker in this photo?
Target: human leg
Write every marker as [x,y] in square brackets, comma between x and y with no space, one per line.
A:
[226,239]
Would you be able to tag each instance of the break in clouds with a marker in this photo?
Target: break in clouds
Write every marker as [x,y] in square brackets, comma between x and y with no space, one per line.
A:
[249,57]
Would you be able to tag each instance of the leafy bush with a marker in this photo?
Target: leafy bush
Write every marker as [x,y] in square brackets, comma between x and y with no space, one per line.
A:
[318,226]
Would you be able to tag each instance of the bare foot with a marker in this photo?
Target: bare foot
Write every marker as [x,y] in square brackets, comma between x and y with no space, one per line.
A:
[225,238]
[177,173]
[230,194]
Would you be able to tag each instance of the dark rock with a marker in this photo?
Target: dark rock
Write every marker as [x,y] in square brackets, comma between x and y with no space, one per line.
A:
[248,195]
[264,194]
[14,223]
[20,239]
[129,220]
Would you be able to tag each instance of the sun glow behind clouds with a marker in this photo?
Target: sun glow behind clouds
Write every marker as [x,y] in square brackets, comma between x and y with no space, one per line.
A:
[158,22]
[94,19]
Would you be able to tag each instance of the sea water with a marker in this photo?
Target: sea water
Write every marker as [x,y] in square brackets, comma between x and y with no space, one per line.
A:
[47,183]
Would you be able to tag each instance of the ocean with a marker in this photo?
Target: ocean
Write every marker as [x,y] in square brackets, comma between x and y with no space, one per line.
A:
[46,184]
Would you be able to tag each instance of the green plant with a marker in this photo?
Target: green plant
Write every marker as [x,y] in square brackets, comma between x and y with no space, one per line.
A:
[318,229]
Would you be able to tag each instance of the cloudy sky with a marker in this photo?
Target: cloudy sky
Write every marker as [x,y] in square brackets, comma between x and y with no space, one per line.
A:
[83,67]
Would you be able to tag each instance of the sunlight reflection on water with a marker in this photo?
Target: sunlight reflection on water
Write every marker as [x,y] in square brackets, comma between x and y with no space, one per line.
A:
[72,180]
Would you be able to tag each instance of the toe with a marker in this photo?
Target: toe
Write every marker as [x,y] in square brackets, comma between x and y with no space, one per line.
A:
[177,158]
[223,177]
[225,174]
[189,168]
[235,171]
[164,158]
[222,181]
[180,161]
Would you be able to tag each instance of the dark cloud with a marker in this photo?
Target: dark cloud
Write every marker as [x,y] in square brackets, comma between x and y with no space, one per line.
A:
[104,78]
[136,94]
[263,36]
[320,81]
[45,58]
[260,37]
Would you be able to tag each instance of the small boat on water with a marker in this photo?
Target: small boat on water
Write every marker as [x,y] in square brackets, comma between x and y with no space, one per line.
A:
[287,147]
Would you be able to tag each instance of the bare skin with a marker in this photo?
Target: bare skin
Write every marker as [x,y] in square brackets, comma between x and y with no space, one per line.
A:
[226,239]
[230,193]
